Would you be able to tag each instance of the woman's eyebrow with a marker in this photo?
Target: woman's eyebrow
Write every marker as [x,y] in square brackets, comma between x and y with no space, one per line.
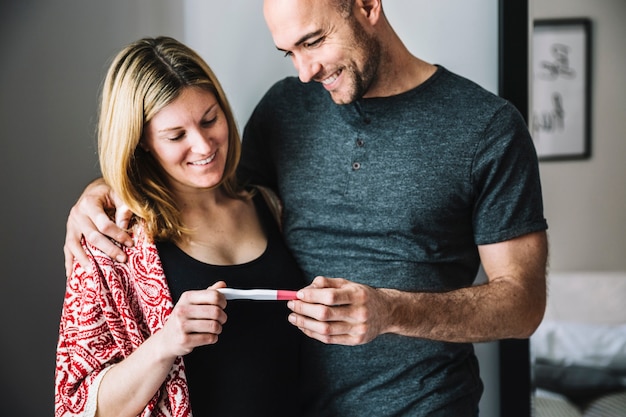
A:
[170,129]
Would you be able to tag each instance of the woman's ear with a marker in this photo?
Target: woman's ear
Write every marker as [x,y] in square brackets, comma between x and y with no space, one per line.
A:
[143,146]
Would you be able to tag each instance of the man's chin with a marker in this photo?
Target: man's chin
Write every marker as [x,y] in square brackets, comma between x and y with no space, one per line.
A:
[341,99]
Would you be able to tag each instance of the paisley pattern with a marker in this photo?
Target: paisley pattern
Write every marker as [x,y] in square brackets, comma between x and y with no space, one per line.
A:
[106,316]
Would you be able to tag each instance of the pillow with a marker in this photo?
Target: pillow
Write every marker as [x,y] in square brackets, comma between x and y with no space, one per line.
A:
[578,359]
[581,344]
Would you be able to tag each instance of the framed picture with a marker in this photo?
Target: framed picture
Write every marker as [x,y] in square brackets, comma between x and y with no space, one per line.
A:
[560,119]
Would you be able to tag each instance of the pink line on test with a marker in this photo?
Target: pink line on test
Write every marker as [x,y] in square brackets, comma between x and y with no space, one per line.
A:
[286,295]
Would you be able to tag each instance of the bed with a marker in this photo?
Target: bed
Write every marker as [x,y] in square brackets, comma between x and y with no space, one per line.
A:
[579,351]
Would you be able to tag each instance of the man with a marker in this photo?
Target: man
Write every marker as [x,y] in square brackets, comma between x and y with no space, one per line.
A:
[401,178]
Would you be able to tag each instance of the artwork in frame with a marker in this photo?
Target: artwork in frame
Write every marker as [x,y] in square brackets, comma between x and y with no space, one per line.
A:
[561,88]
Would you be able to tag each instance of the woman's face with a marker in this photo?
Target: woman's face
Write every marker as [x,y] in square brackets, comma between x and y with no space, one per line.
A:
[189,140]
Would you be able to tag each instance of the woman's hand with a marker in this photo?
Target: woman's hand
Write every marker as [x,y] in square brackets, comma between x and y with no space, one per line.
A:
[196,320]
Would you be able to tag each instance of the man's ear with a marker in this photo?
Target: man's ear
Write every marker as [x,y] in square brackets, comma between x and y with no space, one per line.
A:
[371,9]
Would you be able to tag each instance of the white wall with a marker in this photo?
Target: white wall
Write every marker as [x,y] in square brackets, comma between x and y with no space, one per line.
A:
[233,38]
[53,57]
[585,201]
[462,36]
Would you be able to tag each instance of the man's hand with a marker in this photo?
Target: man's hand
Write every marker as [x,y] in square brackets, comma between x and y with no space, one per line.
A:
[338,311]
[510,305]
[89,218]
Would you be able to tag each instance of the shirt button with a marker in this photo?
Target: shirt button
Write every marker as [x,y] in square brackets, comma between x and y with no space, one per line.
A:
[356,166]
[360,143]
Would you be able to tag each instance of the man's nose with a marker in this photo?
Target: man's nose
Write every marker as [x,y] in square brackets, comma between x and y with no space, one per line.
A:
[307,68]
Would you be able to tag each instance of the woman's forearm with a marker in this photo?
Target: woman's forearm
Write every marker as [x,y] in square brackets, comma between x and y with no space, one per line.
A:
[130,385]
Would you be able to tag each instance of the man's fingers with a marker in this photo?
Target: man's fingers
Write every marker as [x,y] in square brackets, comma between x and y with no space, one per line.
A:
[122,212]
[336,311]
[92,211]
[321,312]
[72,253]
[106,245]
[107,227]
[334,332]
[331,292]
[69,260]
[326,282]
[73,248]
[122,216]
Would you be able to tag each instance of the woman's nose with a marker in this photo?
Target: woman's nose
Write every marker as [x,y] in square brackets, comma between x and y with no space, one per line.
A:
[201,142]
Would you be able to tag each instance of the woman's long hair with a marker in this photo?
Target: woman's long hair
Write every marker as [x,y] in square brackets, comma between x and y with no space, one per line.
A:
[143,78]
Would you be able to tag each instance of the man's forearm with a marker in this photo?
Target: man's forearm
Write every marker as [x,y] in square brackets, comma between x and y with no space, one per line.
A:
[497,310]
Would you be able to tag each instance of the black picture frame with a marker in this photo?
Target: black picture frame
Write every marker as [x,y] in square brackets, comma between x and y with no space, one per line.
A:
[561,75]
[513,79]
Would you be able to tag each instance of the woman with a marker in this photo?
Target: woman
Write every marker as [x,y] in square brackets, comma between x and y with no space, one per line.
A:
[154,336]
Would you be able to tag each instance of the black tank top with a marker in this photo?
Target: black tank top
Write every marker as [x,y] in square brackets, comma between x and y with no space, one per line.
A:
[253,369]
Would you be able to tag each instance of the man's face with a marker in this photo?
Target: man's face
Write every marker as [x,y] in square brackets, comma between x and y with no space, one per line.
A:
[325,46]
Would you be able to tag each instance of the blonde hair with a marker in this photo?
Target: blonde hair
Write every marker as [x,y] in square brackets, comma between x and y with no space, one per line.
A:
[143,78]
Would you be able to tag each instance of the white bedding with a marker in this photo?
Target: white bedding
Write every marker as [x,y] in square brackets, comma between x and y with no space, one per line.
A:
[580,347]
[570,343]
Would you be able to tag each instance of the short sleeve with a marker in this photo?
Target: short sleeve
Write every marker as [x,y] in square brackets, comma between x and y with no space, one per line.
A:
[505,181]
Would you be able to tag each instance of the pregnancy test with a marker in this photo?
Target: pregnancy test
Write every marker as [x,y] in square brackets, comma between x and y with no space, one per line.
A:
[270,295]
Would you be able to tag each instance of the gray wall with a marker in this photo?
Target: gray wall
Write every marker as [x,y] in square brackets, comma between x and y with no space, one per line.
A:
[585,201]
[53,55]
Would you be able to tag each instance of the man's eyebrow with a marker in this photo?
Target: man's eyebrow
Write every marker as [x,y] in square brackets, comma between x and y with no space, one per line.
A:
[304,38]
